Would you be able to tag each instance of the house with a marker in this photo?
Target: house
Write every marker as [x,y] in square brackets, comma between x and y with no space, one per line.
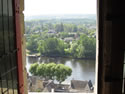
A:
[68,39]
[50,86]
[52,31]
[81,86]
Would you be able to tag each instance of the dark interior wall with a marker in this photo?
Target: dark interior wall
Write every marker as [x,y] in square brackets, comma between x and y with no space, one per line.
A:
[8,50]
[111,46]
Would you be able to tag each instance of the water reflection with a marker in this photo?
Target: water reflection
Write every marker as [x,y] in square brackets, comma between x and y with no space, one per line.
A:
[82,69]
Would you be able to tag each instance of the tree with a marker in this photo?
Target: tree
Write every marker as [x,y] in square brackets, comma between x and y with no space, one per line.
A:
[62,72]
[68,27]
[41,70]
[89,44]
[85,47]
[75,28]
[46,70]
[52,47]
[59,27]
[33,69]
[50,26]
[52,71]
[73,50]
[77,50]
[32,44]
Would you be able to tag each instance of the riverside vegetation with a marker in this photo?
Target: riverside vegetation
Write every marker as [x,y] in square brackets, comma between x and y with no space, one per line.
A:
[74,38]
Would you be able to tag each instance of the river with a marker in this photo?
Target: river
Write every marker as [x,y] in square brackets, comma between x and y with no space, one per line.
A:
[81,69]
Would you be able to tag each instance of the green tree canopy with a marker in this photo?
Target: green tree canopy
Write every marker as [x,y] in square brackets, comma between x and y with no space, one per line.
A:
[85,47]
[52,47]
[62,72]
[89,44]
[53,71]
[33,69]
[32,43]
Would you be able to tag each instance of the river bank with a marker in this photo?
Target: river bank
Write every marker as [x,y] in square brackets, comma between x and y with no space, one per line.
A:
[70,57]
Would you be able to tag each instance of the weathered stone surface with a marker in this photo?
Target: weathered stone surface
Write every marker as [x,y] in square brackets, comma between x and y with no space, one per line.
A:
[35,84]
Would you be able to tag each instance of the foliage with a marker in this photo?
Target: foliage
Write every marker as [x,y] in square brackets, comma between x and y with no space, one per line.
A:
[52,71]
[46,70]
[61,72]
[89,44]
[66,25]
[52,47]
[59,27]
[48,37]
[32,44]
[77,51]
[41,70]
[33,69]
[85,47]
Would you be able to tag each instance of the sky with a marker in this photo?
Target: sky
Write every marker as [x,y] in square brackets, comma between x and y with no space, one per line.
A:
[45,7]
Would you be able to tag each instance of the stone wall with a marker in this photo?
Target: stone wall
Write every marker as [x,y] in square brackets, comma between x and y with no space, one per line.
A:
[35,84]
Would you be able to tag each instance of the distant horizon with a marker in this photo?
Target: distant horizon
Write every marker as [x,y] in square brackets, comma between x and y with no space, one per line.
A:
[61,16]
[58,14]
